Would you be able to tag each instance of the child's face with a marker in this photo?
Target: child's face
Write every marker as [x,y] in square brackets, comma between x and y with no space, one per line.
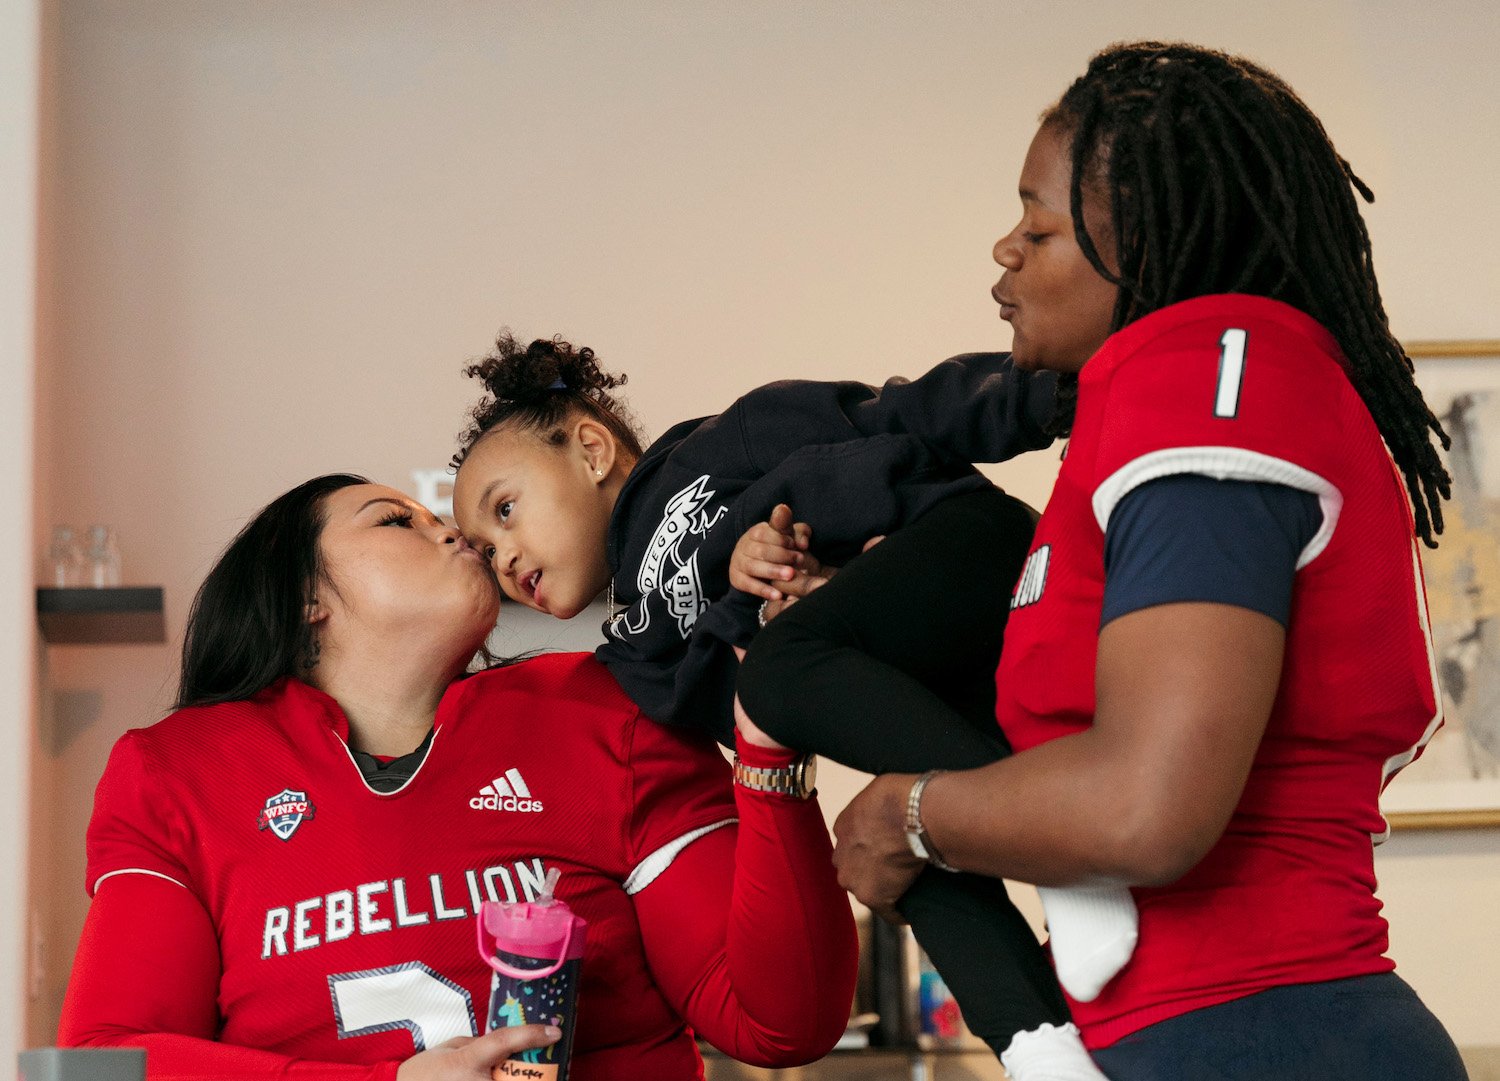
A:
[540,515]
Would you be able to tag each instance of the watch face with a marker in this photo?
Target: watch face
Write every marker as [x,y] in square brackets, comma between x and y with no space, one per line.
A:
[809,775]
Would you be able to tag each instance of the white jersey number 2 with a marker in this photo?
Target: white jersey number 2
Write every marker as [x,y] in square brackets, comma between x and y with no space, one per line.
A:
[412,996]
[1231,373]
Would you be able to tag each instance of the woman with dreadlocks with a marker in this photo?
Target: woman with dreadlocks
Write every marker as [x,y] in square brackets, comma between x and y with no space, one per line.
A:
[1217,653]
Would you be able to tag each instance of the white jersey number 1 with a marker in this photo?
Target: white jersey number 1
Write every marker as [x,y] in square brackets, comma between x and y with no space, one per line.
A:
[1231,373]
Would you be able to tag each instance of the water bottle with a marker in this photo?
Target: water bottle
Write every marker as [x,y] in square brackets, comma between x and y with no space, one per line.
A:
[64,559]
[102,557]
[536,950]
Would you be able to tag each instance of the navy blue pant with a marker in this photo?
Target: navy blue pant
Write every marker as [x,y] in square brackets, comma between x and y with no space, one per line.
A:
[1368,1028]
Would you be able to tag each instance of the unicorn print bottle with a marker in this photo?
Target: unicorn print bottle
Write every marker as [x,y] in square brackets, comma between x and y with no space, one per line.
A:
[536,950]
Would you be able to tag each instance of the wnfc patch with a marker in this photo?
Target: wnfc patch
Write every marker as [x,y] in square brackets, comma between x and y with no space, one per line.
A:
[284,812]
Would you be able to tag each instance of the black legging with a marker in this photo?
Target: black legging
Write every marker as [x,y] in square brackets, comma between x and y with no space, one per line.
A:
[890,669]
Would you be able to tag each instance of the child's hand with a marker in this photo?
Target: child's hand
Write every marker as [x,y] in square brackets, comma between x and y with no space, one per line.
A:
[767,559]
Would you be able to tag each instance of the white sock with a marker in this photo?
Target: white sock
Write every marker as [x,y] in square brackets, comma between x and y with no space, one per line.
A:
[1049,1053]
[1093,931]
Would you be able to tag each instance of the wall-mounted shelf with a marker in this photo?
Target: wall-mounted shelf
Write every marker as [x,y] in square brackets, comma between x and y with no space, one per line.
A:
[88,616]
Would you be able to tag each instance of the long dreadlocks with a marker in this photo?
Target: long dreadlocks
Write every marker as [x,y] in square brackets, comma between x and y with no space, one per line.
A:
[1221,180]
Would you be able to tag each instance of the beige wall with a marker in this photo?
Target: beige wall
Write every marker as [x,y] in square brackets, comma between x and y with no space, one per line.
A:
[278,230]
[19,111]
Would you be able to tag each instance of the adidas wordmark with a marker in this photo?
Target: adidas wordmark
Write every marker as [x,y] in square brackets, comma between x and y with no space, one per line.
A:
[506,793]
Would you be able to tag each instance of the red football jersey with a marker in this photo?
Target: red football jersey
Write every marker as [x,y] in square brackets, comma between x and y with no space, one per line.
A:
[1240,387]
[346,917]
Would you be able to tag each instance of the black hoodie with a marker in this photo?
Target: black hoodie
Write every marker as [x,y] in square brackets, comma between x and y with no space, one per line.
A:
[850,459]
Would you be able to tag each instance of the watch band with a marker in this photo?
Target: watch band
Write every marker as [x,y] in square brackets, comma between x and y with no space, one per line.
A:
[795,780]
[916,835]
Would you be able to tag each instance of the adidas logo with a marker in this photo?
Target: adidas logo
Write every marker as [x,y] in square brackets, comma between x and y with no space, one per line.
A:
[506,793]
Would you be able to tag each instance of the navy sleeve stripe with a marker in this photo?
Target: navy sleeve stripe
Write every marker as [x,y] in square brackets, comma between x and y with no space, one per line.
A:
[1223,463]
[1187,538]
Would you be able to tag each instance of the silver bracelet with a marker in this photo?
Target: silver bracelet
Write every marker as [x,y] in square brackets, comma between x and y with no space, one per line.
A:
[760,614]
[916,835]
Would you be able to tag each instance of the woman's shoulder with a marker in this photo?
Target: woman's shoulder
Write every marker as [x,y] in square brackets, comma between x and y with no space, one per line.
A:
[576,688]
[574,703]
[560,677]
[1219,323]
[271,713]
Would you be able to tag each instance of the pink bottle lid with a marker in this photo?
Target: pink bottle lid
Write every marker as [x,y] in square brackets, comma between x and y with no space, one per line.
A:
[545,928]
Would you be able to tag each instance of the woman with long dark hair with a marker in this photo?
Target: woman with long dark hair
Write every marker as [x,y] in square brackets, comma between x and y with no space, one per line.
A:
[286,871]
[1218,652]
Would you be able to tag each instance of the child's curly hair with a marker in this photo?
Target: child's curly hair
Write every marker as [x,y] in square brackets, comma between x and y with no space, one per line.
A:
[537,386]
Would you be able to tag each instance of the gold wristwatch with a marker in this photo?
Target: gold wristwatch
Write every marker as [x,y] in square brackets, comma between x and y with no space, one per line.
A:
[795,780]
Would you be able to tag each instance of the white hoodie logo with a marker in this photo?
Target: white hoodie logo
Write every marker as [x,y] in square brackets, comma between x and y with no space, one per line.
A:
[664,570]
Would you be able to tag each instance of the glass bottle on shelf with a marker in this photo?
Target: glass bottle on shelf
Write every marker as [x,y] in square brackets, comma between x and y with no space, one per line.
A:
[102,557]
[64,566]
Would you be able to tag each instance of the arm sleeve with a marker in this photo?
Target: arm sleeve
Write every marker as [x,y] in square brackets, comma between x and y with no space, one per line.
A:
[974,408]
[1193,538]
[749,935]
[1174,406]
[159,991]
[134,829]
[678,782]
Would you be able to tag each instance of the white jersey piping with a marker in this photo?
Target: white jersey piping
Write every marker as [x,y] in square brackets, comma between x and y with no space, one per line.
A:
[1398,762]
[647,871]
[395,791]
[132,871]
[1223,463]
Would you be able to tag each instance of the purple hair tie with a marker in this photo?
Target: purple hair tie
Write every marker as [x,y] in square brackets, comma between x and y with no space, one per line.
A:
[558,384]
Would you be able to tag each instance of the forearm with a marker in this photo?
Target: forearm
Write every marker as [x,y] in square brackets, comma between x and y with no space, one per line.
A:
[146,975]
[977,407]
[749,935]
[1183,693]
[791,948]
[1057,815]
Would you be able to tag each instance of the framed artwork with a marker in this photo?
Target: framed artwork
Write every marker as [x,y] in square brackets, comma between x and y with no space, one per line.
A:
[1456,782]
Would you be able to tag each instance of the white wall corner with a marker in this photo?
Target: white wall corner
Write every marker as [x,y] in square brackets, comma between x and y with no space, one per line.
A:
[20,55]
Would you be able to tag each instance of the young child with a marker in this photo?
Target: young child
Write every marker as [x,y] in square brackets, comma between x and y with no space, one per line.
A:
[555,489]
